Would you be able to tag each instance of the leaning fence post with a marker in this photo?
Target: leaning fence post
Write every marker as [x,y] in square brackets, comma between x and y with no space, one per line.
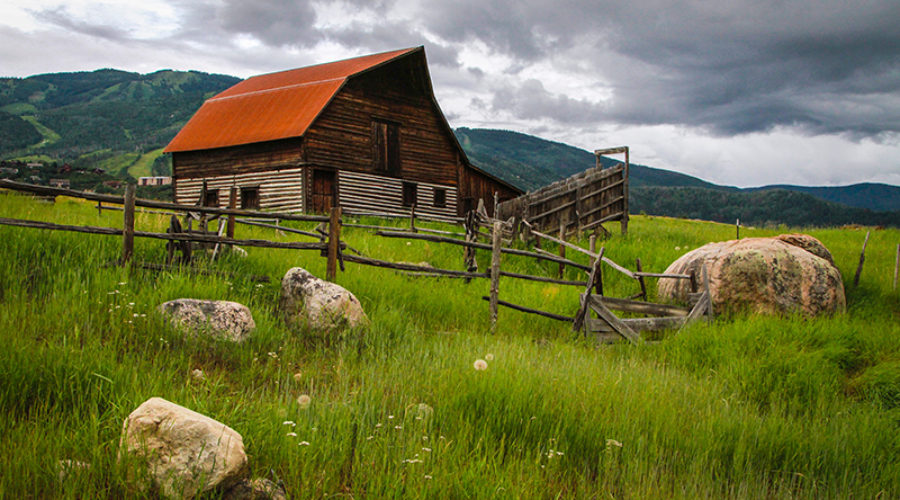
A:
[232,204]
[640,269]
[862,259]
[128,225]
[334,242]
[495,273]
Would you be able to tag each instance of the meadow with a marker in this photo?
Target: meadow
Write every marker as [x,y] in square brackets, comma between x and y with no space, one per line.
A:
[747,407]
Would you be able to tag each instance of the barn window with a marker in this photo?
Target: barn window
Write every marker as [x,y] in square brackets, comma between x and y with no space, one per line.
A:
[250,198]
[212,198]
[409,194]
[386,142]
[440,197]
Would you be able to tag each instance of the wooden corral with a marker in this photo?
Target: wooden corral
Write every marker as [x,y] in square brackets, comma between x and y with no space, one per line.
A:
[584,201]
[365,134]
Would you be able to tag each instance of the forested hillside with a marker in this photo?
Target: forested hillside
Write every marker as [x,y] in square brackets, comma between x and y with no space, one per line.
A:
[95,127]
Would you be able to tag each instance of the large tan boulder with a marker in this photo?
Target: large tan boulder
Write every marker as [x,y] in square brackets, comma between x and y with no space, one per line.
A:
[318,304]
[185,453]
[763,275]
[219,318]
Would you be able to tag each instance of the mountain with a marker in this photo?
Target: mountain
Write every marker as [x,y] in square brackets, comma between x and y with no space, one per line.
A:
[873,196]
[110,124]
[531,162]
[106,116]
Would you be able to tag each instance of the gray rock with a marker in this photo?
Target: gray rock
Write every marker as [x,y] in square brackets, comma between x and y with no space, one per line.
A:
[220,318]
[256,489]
[318,304]
[763,276]
[184,452]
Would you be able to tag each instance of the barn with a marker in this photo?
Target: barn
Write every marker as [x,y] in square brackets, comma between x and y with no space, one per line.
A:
[365,134]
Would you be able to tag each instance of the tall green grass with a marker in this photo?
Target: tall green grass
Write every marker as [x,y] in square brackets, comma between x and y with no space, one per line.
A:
[748,407]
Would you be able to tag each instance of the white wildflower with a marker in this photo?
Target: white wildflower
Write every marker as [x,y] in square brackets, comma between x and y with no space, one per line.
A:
[303,443]
[489,357]
[427,450]
[289,422]
[480,365]
[198,374]
[291,434]
[612,442]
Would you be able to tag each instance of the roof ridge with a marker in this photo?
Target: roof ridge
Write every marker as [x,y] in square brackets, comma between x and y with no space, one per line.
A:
[283,87]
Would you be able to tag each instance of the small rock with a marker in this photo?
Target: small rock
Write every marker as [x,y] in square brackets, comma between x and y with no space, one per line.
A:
[221,318]
[318,304]
[256,489]
[185,453]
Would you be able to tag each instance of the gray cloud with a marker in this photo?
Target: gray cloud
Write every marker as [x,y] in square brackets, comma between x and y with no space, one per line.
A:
[61,17]
[730,67]
[275,22]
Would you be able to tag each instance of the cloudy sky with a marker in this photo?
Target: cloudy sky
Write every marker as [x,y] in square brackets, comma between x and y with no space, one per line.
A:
[737,92]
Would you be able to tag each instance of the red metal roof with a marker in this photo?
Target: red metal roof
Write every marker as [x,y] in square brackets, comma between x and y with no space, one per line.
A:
[272,106]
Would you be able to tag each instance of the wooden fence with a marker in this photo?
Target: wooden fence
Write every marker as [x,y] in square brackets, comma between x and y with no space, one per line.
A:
[329,244]
[582,202]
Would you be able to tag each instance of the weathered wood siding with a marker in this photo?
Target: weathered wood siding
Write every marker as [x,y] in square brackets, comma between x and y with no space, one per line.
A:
[579,202]
[238,159]
[343,135]
[279,191]
[372,193]
[475,185]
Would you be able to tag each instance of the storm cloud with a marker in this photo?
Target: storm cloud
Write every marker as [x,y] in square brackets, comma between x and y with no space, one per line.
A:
[581,71]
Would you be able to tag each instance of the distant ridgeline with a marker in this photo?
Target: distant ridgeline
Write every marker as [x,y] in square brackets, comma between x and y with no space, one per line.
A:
[96,127]
[531,162]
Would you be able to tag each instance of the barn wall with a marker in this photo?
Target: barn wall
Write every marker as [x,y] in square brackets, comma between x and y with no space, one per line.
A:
[343,137]
[238,159]
[475,185]
[372,193]
[279,191]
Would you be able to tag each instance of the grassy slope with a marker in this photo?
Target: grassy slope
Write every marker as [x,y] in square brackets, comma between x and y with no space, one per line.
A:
[747,407]
[142,167]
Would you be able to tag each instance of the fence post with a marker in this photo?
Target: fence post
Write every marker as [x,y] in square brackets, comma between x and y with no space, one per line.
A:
[232,204]
[862,258]
[334,242]
[495,273]
[128,225]
[562,248]
[469,260]
[99,208]
[640,269]
[412,218]
[737,228]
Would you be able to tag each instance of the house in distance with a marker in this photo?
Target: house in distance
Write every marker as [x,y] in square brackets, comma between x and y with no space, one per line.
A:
[365,134]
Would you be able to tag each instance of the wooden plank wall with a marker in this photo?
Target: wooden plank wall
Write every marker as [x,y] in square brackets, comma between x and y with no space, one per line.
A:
[279,190]
[373,193]
[238,159]
[342,136]
[580,201]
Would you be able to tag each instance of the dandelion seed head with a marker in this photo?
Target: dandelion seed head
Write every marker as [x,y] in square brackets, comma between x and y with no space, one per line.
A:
[298,376]
[480,365]
[304,400]
[489,357]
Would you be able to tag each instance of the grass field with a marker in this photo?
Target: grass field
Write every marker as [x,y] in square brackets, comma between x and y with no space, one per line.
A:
[748,407]
[142,166]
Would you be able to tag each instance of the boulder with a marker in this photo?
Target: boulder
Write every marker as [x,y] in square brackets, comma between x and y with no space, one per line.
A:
[318,304]
[762,275]
[807,243]
[220,318]
[185,453]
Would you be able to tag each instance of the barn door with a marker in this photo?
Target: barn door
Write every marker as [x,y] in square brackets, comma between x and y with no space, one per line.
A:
[323,191]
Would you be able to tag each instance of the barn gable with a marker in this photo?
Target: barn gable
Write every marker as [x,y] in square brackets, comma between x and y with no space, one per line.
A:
[365,133]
